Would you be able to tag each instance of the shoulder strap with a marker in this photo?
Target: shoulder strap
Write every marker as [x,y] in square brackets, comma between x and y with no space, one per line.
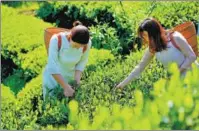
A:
[59,41]
[173,41]
[84,49]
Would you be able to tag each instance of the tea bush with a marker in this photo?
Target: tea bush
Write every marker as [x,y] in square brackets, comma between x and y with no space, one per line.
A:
[20,41]
[32,110]
[123,16]
[13,3]
[29,111]
[20,38]
[97,88]
[157,99]
[8,106]
[64,13]
[100,106]
[100,86]
[171,14]
[16,81]
[173,106]
[105,37]
[97,59]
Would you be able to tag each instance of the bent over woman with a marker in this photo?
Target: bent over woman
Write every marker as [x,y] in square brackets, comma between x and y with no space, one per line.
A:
[67,63]
[160,46]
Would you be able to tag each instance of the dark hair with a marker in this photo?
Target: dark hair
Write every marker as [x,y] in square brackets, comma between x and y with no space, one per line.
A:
[156,33]
[80,33]
[76,23]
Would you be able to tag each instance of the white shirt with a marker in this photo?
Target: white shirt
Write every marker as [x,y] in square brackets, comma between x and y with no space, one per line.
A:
[170,55]
[183,58]
[64,61]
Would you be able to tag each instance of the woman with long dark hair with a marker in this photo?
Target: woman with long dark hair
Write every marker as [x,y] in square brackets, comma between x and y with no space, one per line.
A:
[160,45]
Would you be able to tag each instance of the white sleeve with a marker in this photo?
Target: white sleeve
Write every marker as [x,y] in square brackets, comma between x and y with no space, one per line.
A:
[186,49]
[140,67]
[84,59]
[52,66]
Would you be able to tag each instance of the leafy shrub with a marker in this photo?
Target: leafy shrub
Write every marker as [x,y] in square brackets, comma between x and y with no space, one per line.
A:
[100,86]
[165,110]
[98,105]
[16,81]
[53,111]
[171,14]
[97,59]
[65,13]
[28,102]
[99,102]
[8,106]
[7,70]
[22,39]
[33,112]
[123,16]
[106,38]
[29,111]
[13,3]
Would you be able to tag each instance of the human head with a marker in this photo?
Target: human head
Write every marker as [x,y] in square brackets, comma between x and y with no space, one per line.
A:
[153,33]
[79,35]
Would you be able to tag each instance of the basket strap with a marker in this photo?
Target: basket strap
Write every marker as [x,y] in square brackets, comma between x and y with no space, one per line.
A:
[173,41]
[59,41]
[84,49]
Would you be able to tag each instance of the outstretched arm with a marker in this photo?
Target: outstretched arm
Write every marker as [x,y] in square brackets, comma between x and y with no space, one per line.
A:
[138,69]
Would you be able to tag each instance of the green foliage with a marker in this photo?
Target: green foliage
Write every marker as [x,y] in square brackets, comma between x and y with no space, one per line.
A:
[29,111]
[33,113]
[8,106]
[173,106]
[22,40]
[14,4]
[100,86]
[171,14]
[16,81]
[97,59]
[28,101]
[53,112]
[123,16]
[101,107]
[152,101]
[105,37]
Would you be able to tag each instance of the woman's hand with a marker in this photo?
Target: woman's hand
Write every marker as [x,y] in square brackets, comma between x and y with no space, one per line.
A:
[77,77]
[121,85]
[182,71]
[68,91]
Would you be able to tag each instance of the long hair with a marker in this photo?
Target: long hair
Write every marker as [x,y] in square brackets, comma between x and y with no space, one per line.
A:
[156,33]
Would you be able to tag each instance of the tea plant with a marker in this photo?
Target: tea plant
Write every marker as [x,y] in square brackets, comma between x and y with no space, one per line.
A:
[173,106]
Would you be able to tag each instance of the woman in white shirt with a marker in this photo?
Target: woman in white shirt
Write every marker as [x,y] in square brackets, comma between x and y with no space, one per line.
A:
[67,63]
[161,46]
